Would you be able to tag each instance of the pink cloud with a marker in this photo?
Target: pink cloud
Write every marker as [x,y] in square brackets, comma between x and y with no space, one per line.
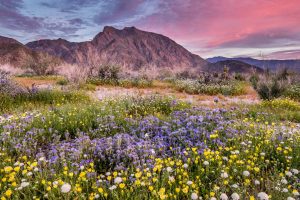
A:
[228,23]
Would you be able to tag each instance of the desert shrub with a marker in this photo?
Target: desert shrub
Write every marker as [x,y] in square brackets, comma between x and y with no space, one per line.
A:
[7,86]
[62,82]
[196,87]
[271,86]
[109,72]
[186,74]
[42,65]
[74,74]
[239,77]
[254,80]
[293,92]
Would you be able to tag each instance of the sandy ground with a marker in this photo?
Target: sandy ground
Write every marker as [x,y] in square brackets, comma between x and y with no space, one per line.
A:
[103,92]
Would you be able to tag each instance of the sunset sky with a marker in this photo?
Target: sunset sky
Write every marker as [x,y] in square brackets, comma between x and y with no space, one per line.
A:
[255,28]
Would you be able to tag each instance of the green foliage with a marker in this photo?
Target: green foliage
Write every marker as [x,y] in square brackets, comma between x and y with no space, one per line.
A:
[71,118]
[275,110]
[254,80]
[293,92]
[109,72]
[62,82]
[33,100]
[196,87]
[138,82]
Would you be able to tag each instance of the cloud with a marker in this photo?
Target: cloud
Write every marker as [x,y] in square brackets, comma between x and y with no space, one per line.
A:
[219,27]
[288,54]
[125,12]
[11,18]
[69,5]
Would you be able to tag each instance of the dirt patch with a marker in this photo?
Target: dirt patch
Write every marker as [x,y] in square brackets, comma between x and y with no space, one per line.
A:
[103,92]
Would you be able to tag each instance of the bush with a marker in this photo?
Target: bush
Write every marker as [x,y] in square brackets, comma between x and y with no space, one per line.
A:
[109,72]
[42,65]
[62,82]
[196,87]
[271,88]
[7,86]
[293,92]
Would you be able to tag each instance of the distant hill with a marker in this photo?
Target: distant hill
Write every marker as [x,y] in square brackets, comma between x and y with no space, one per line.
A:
[235,66]
[293,65]
[16,54]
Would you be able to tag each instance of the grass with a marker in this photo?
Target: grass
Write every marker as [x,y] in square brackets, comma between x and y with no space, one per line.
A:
[42,98]
[277,110]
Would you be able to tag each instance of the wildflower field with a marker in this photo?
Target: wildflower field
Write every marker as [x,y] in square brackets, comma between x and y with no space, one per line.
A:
[148,147]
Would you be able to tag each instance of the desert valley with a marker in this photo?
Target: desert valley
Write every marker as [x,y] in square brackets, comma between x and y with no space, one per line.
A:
[138,113]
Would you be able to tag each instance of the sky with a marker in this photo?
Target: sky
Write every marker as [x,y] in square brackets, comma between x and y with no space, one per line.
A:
[266,29]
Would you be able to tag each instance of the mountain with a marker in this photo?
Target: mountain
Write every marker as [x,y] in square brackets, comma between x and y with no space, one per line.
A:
[16,54]
[235,66]
[129,47]
[293,65]
[13,52]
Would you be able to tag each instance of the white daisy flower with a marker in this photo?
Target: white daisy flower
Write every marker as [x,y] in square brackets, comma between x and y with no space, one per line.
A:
[65,188]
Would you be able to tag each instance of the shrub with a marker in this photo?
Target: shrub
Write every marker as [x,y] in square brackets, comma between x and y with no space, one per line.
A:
[62,82]
[254,80]
[271,88]
[109,72]
[74,74]
[7,86]
[196,87]
[293,92]
[42,65]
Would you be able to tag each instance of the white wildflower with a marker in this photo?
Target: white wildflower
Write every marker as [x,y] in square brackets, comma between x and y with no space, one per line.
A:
[289,174]
[112,187]
[246,173]
[118,180]
[194,196]
[285,190]
[224,196]
[283,181]
[189,182]
[295,171]
[24,184]
[169,169]
[224,175]
[262,196]
[65,188]
[290,198]
[235,196]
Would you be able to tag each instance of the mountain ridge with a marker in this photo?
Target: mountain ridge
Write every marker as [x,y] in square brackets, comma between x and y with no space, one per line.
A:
[272,64]
[130,46]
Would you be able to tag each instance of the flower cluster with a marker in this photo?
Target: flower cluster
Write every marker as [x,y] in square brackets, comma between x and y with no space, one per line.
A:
[197,153]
